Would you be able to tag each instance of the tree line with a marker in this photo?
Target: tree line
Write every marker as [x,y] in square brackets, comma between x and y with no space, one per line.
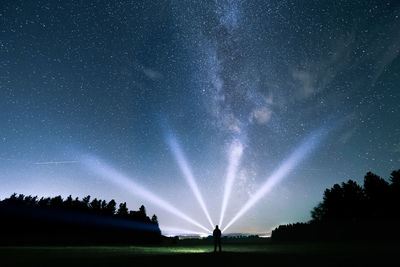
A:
[54,220]
[351,211]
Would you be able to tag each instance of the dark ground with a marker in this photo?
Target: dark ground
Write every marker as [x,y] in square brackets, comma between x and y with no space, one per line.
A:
[192,253]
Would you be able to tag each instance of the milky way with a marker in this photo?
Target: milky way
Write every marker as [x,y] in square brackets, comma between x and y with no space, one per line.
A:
[114,79]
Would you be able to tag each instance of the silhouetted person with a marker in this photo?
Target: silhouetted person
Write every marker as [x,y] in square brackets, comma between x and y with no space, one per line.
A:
[217,238]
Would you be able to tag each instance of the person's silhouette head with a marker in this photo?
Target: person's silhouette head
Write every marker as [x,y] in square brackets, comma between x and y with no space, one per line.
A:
[216,227]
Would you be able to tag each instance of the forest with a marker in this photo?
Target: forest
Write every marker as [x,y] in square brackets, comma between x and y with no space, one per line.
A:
[352,212]
[28,220]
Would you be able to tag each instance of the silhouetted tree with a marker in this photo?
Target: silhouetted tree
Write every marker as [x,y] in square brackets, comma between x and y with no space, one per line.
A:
[351,211]
[29,200]
[395,193]
[85,204]
[77,204]
[377,194]
[122,210]
[44,202]
[142,210]
[154,219]
[353,201]
[56,202]
[68,202]
[318,214]
[339,203]
[26,220]
[95,205]
[111,207]
[395,178]
[103,207]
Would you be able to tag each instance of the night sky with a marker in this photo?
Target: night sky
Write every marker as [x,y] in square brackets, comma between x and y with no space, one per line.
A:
[142,86]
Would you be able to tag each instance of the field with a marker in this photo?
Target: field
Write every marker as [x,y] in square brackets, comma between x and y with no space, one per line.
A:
[191,253]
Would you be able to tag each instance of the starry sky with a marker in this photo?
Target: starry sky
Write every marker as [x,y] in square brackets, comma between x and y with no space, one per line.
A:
[118,80]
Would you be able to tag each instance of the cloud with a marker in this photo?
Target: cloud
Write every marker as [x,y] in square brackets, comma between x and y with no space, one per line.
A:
[387,56]
[269,99]
[397,148]
[317,74]
[260,115]
[351,122]
[307,82]
[346,136]
[262,112]
[152,74]
[231,123]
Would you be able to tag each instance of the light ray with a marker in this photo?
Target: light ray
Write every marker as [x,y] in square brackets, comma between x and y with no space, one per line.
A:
[299,154]
[187,173]
[101,169]
[236,152]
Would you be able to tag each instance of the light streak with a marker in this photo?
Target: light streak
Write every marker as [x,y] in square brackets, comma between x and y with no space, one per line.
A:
[56,162]
[108,173]
[235,154]
[299,154]
[187,173]
[42,162]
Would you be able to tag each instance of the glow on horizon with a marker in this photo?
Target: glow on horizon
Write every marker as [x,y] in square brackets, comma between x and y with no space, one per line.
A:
[107,172]
[172,231]
[299,154]
[235,154]
[187,173]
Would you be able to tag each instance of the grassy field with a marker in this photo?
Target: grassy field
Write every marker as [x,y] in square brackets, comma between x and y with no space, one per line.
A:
[190,254]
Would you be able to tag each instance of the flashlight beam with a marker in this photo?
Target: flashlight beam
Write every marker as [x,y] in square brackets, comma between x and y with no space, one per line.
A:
[234,160]
[183,165]
[301,152]
[123,181]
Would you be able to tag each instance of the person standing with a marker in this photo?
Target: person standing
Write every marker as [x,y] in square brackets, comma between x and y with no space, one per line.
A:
[217,238]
